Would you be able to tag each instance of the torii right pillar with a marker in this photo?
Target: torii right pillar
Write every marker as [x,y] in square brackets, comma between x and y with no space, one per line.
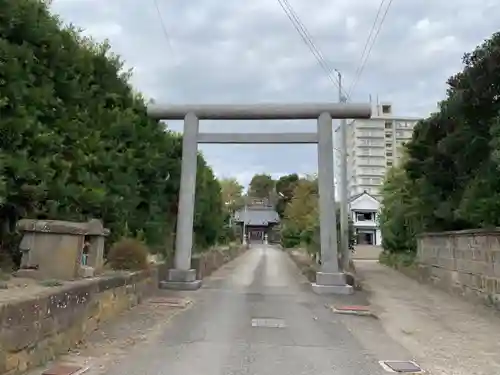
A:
[330,279]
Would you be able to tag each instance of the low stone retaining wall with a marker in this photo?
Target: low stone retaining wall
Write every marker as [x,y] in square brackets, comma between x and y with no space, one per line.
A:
[207,262]
[34,330]
[466,263]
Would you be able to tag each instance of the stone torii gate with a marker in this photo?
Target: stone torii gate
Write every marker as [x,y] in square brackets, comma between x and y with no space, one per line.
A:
[330,279]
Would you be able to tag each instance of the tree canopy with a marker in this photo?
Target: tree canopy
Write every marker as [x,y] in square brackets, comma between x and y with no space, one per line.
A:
[301,213]
[450,179]
[301,217]
[76,142]
[261,186]
[232,193]
[285,187]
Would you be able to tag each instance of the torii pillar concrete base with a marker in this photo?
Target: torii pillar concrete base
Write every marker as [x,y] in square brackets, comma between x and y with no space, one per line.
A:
[331,283]
[181,280]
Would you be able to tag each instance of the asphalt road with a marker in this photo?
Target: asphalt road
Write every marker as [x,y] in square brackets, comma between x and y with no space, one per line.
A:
[258,316]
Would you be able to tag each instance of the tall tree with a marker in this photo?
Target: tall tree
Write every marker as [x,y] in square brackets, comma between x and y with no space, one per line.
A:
[75,139]
[302,211]
[261,186]
[450,180]
[301,217]
[285,187]
[232,193]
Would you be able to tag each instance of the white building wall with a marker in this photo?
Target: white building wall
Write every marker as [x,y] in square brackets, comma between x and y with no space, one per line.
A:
[366,203]
[373,146]
[378,237]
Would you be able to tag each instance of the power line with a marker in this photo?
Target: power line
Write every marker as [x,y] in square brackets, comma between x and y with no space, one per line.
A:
[371,46]
[307,39]
[304,34]
[164,28]
[368,41]
[303,31]
[320,57]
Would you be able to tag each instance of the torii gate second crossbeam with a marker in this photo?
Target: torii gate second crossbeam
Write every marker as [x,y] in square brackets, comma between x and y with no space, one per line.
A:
[329,279]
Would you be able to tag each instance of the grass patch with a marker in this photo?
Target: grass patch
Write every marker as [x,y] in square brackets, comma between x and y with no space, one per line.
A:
[400,260]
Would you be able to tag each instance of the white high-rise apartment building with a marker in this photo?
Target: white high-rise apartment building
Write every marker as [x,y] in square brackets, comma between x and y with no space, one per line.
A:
[373,145]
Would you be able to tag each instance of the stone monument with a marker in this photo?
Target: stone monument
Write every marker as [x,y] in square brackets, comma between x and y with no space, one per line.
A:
[62,250]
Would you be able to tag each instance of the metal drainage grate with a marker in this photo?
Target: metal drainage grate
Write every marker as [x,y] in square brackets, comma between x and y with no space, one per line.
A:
[402,367]
[268,323]
[170,301]
[353,310]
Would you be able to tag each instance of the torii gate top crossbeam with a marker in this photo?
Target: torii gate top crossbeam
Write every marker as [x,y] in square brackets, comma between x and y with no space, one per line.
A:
[263,111]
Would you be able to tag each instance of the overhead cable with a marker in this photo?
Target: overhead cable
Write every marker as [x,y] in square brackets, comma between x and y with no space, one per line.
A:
[307,39]
[367,56]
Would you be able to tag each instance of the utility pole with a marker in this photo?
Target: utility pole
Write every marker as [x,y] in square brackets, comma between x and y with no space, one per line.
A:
[344,206]
[245,240]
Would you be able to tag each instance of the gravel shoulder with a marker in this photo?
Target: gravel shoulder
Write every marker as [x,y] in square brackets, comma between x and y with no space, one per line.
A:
[447,335]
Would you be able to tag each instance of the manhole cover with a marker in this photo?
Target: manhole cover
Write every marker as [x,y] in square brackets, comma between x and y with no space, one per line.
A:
[405,367]
[268,323]
[353,310]
[65,370]
[170,301]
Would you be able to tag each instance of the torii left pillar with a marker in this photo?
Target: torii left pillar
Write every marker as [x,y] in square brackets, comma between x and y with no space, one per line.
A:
[183,277]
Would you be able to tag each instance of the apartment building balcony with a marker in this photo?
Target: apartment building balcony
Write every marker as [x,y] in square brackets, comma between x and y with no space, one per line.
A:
[370,174]
[367,134]
[370,145]
[370,161]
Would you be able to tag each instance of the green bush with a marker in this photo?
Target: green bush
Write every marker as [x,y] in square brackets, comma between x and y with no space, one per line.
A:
[226,235]
[397,260]
[448,179]
[290,238]
[128,254]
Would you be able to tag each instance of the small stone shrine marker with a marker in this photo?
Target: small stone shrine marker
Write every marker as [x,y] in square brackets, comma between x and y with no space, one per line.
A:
[53,249]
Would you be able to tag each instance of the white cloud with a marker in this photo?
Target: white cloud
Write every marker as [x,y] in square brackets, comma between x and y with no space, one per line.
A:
[234,51]
[104,30]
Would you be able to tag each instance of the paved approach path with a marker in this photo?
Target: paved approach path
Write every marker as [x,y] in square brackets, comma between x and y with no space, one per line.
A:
[215,335]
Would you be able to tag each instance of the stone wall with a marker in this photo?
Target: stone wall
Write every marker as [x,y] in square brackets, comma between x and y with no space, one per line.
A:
[35,330]
[207,262]
[463,262]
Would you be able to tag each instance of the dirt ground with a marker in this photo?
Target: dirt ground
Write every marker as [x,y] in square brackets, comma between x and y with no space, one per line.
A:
[449,336]
[366,252]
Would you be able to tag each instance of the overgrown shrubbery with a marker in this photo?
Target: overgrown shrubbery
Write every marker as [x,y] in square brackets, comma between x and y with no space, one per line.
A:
[450,179]
[398,259]
[75,140]
[128,254]
[290,237]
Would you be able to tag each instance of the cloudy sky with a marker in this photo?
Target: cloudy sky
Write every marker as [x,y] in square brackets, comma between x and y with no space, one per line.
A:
[235,51]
